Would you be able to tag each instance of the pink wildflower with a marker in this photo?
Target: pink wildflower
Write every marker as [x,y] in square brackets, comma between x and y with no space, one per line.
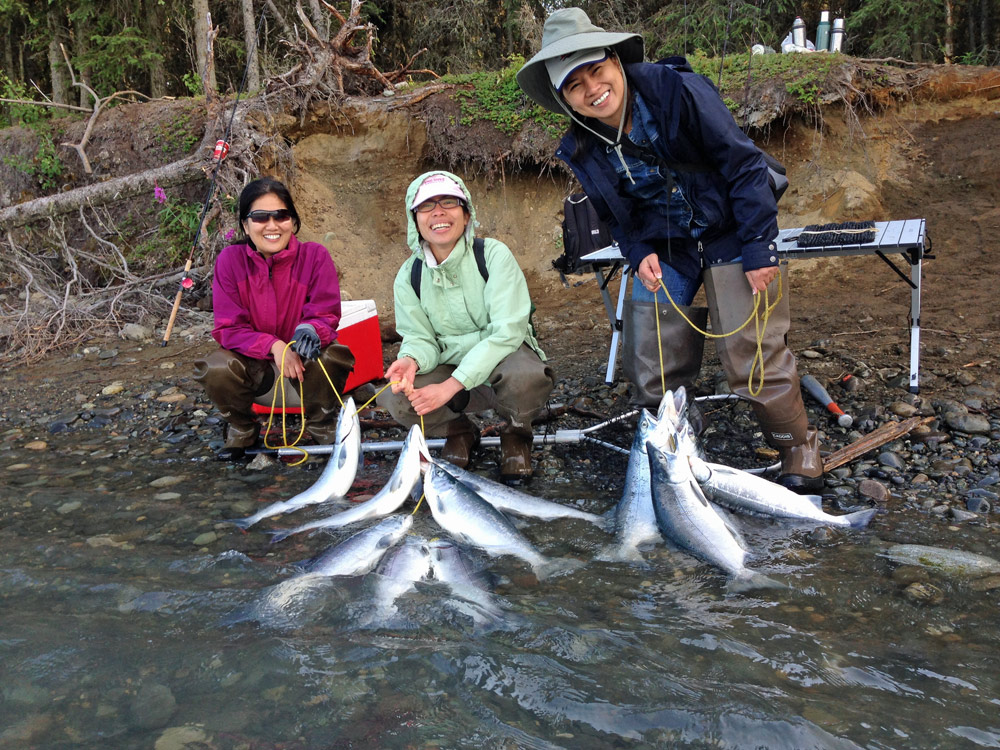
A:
[159,193]
[230,233]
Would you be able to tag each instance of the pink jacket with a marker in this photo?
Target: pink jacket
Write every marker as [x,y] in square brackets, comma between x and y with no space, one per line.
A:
[258,301]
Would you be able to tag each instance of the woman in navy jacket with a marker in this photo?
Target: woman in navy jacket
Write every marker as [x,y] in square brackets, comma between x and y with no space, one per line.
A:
[687,197]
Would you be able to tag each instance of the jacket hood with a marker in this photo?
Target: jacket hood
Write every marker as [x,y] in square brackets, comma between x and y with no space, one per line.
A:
[413,238]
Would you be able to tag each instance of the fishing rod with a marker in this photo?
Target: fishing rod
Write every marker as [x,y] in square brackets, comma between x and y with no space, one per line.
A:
[218,156]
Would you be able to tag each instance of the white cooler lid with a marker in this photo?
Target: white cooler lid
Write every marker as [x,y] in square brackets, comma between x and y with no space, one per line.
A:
[355,310]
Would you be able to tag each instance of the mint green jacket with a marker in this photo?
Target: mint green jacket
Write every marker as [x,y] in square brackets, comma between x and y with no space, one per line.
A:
[459,319]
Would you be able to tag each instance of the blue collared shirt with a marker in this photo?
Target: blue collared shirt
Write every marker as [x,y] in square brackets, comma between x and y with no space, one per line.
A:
[648,186]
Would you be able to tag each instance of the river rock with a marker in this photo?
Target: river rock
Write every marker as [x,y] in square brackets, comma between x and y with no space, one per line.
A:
[923,593]
[182,738]
[973,424]
[167,481]
[153,706]
[205,539]
[136,332]
[113,389]
[874,490]
[901,409]
[36,445]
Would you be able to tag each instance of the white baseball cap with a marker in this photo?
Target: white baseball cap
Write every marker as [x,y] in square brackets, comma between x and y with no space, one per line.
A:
[561,68]
[437,184]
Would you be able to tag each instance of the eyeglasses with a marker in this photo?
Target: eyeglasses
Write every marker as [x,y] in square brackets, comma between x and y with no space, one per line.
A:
[262,217]
[426,206]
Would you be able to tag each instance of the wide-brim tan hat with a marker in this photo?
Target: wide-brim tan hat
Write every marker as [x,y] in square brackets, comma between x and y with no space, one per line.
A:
[568,31]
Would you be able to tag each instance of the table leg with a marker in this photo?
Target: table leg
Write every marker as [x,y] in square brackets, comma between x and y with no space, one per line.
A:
[916,258]
[616,327]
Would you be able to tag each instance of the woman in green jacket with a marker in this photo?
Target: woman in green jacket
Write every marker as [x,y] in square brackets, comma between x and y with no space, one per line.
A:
[468,344]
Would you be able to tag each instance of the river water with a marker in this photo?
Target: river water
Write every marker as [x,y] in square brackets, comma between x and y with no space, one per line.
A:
[124,624]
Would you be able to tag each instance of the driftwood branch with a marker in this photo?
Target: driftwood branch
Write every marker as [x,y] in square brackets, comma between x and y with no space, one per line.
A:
[875,439]
[71,107]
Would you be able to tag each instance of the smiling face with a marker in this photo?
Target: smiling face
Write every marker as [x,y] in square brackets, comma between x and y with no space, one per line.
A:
[597,90]
[272,236]
[442,227]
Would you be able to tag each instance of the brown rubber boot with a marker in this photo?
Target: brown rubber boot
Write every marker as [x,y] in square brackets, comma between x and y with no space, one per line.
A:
[778,405]
[801,466]
[682,349]
[515,452]
[462,437]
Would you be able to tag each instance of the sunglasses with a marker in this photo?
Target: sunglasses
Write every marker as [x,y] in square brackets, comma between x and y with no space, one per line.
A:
[427,206]
[262,217]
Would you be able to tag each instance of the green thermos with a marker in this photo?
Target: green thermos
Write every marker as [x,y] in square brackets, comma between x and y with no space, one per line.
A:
[823,31]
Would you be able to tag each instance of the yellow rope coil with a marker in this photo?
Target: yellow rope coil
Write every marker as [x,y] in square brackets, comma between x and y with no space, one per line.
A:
[760,323]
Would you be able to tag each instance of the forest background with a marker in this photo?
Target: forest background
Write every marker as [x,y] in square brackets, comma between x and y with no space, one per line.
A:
[157,47]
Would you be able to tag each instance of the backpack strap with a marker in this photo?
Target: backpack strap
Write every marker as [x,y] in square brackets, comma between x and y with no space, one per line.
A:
[478,249]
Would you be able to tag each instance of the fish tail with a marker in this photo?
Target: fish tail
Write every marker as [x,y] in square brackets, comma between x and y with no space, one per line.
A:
[748,580]
[860,519]
[242,523]
[557,566]
[617,552]
[606,521]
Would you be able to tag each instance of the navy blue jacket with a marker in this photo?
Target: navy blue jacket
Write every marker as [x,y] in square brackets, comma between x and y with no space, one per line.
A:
[733,193]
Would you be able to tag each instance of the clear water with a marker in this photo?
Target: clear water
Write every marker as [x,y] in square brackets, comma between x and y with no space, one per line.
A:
[116,630]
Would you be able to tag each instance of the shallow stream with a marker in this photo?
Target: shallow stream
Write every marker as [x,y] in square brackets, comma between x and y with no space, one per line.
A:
[131,617]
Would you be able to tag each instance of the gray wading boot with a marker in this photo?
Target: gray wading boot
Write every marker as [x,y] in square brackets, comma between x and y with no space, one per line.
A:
[778,405]
[461,438]
[682,349]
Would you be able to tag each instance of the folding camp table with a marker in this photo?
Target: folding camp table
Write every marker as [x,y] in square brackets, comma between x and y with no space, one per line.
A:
[906,237]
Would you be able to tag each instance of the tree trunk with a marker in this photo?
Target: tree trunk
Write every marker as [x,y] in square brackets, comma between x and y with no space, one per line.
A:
[205,72]
[157,68]
[81,45]
[251,43]
[320,19]
[180,172]
[57,66]
[949,31]
[985,33]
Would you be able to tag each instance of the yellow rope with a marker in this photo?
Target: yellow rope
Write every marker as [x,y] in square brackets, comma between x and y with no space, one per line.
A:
[284,414]
[760,324]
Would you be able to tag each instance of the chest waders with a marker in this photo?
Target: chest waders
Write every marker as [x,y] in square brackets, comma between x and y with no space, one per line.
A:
[778,405]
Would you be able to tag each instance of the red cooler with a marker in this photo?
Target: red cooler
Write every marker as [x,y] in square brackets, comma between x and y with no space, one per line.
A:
[359,331]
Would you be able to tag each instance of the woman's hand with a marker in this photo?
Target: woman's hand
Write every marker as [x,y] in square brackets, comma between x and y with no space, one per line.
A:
[759,278]
[433,397]
[292,367]
[649,272]
[401,373]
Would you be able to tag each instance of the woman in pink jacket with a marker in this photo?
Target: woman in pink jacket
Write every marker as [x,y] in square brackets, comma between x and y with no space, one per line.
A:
[270,289]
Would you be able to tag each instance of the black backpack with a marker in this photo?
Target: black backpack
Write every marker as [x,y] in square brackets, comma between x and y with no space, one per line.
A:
[582,232]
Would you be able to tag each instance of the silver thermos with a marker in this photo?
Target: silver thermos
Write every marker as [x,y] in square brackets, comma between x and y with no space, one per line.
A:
[837,35]
[799,32]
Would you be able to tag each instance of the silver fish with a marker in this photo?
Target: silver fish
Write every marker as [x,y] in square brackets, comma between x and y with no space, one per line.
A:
[451,566]
[337,477]
[511,500]
[686,517]
[397,573]
[635,521]
[401,483]
[747,492]
[360,552]
[355,555]
[470,519]
[948,561]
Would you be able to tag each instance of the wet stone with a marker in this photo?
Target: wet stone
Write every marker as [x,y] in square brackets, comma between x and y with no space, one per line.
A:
[872,489]
[973,424]
[923,593]
[167,481]
[977,504]
[904,410]
[153,706]
[963,515]
[891,460]
[67,508]
[204,539]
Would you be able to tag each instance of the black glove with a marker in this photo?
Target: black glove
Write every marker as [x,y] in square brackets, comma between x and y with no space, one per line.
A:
[307,342]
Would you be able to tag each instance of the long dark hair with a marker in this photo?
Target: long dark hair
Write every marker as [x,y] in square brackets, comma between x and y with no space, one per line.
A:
[261,187]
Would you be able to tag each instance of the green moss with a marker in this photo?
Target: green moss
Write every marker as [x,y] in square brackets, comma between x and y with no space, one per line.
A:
[495,97]
[804,76]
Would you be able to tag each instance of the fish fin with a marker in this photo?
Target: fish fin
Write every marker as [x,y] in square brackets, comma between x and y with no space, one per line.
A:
[277,536]
[749,580]
[816,500]
[241,523]
[608,520]
[860,519]
[557,566]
